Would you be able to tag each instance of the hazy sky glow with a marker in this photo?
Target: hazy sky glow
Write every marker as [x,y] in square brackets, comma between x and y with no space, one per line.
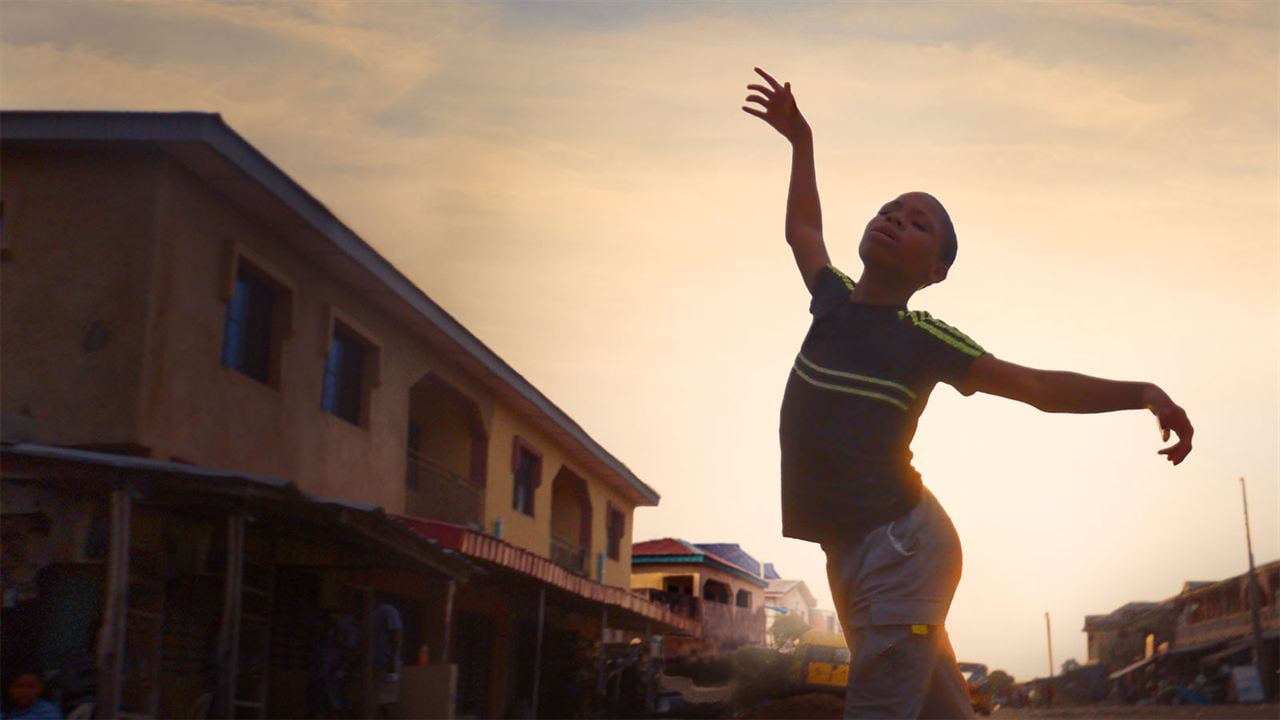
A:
[576,184]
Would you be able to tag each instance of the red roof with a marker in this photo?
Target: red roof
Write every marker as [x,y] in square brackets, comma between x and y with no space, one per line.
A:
[675,546]
[486,547]
[665,546]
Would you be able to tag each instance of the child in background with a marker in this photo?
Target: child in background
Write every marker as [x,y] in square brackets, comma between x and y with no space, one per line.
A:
[25,703]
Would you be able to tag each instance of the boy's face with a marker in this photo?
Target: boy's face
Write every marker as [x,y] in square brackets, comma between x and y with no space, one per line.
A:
[25,689]
[904,239]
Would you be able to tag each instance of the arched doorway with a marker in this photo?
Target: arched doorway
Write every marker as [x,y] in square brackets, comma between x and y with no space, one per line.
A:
[570,522]
[445,461]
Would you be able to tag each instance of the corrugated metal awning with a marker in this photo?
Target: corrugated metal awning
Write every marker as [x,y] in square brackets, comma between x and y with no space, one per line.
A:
[478,546]
[172,482]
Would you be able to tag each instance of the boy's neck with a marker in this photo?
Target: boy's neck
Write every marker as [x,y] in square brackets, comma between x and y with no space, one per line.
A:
[874,289]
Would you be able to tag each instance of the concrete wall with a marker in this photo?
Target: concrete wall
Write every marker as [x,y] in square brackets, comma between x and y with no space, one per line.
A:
[79,228]
[651,576]
[655,579]
[534,533]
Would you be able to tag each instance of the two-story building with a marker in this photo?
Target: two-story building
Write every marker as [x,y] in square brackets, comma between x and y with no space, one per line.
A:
[719,584]
[1128,633]
[169,294]
[1216,617]
[788,598]
[1207,624]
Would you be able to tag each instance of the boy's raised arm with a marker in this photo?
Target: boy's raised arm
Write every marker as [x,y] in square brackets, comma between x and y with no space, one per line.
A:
[1068,392]
[804,212]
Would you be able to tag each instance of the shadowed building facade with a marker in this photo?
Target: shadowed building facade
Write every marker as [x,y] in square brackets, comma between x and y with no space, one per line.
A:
[170,294]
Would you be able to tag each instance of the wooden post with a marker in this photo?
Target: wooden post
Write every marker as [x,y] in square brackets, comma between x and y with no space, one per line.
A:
[1260,659]
[115,611]
[649,666]
[537,649]
[601,665]
[447,630]
[1048,632]
[229,634]
[368,688]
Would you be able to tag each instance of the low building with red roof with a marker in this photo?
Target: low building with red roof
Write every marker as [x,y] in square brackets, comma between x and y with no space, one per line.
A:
[718,584]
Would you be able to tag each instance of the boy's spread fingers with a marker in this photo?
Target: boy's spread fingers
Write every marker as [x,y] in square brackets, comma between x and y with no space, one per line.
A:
[761,89]
[769,79]
[758,99]
[753,111]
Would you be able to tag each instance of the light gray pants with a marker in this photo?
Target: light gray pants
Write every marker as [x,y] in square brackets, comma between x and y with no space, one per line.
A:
[892,590]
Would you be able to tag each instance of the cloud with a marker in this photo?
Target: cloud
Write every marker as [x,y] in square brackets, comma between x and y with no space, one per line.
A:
[576,183]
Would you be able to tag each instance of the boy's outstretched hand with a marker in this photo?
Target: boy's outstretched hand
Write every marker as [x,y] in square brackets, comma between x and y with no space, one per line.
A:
[780,109]
[1171,418]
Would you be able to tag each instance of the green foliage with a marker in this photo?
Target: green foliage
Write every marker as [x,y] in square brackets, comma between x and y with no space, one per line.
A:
[1000,682]
[787,628]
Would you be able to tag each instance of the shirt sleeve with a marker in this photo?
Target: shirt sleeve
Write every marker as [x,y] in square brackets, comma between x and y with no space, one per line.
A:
[948,352]
[830,289]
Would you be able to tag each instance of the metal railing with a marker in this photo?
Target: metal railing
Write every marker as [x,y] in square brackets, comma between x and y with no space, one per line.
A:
[568,555]
[437,493]
[681,604]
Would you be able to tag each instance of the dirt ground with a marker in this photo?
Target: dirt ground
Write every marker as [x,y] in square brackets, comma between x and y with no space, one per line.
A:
[798,707]
[1269,711]
[821,706]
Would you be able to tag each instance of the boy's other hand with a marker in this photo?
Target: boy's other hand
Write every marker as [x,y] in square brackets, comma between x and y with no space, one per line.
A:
[780,109]
[1171,418]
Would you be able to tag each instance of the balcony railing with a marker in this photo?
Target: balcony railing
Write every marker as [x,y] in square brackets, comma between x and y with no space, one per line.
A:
[437,493]
[732,625]
[569,555]
[681,604]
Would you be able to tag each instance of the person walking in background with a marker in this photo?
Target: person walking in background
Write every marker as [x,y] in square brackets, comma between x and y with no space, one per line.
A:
[852,401]
[387,638]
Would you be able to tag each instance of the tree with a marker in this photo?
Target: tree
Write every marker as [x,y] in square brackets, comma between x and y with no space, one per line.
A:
[787,628]
[1000,682]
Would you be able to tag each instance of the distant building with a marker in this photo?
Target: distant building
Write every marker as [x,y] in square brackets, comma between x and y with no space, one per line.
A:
[1206,624]
[1123,635]
[823,619]
[1212,614]
[787,598]
[719,584]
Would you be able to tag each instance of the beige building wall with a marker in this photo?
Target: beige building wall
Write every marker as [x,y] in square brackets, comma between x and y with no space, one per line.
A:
[73,339]
[651,576]
[149,255]
[534,533]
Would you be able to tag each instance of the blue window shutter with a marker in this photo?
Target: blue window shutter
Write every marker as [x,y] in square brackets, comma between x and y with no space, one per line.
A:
[234,326]
[332,366]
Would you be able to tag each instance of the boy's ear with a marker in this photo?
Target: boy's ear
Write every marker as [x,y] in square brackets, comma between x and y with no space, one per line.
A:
[938,275]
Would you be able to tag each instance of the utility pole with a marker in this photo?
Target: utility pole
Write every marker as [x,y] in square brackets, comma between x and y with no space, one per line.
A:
[1260,660]
[1048,631]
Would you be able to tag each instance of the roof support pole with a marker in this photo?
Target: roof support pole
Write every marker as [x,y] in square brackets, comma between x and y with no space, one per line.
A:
[446,630]
[537,649]
[368,687]
[601,665]
[229,633]
[115,613]
[650,663]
